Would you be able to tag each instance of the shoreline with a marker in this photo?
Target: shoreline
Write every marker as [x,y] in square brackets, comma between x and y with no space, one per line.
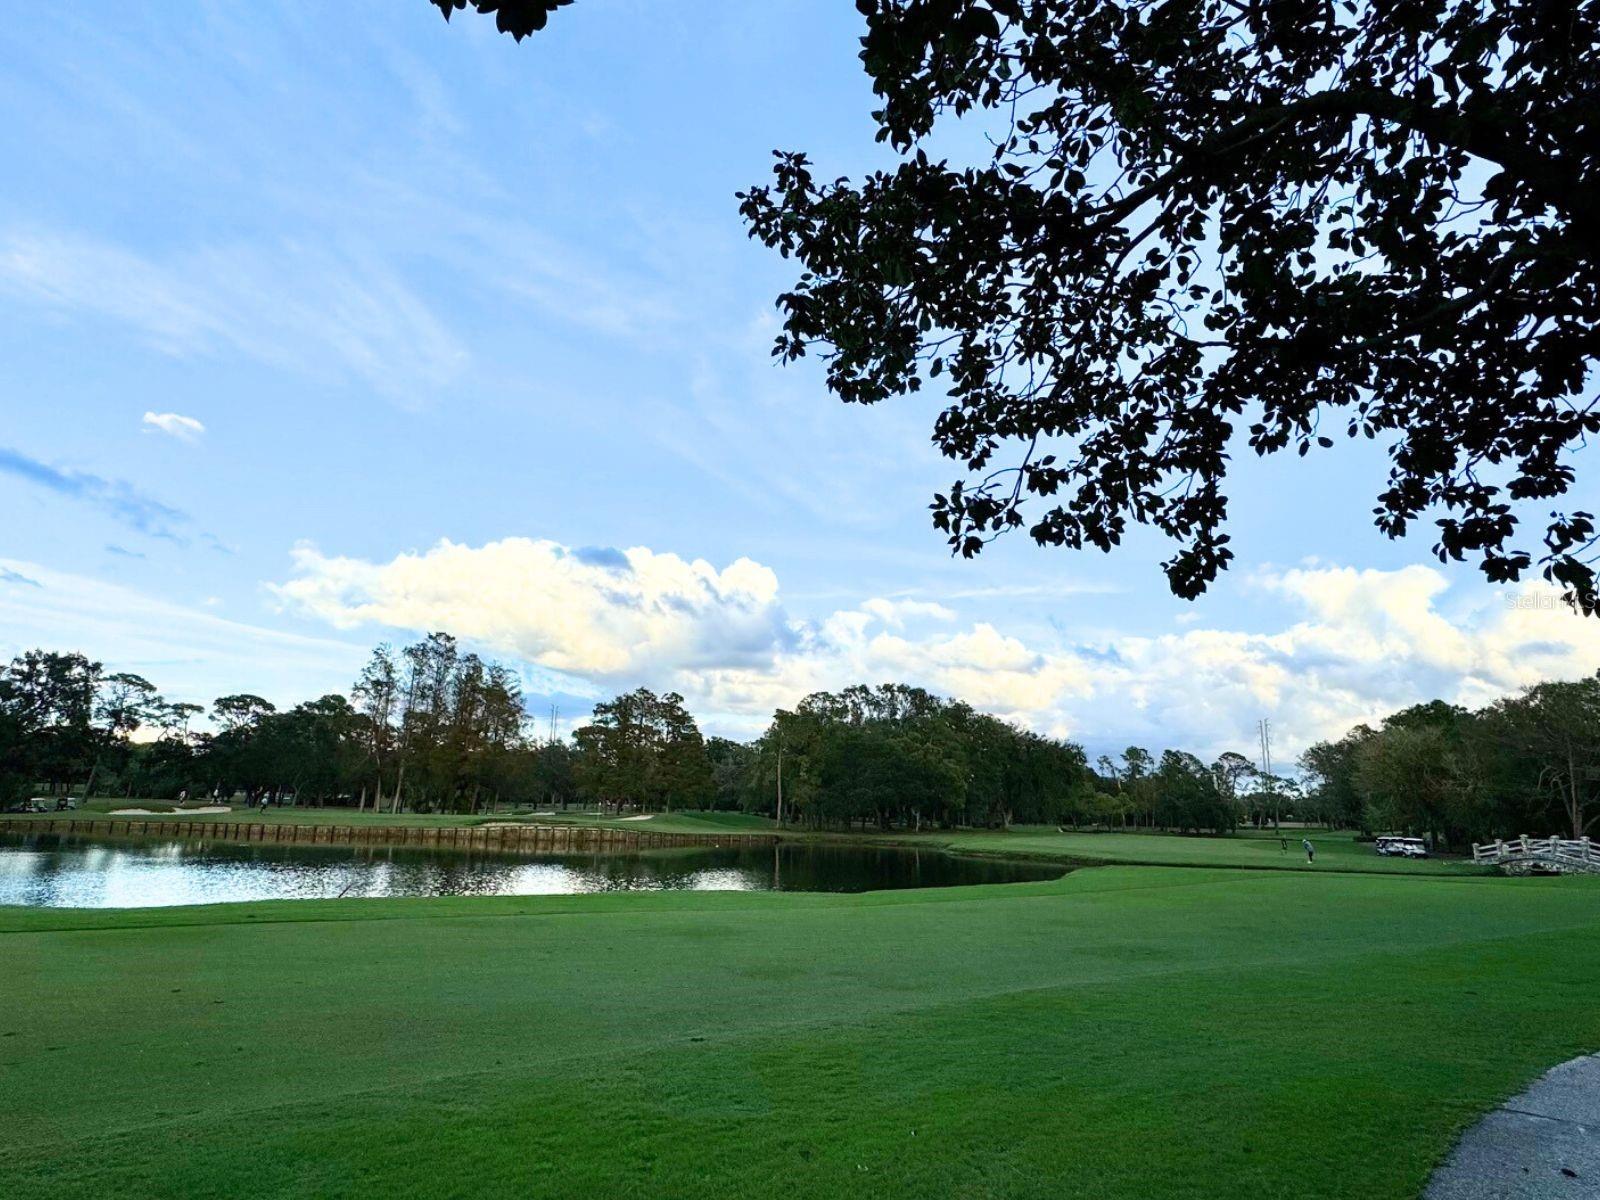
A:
[498,833]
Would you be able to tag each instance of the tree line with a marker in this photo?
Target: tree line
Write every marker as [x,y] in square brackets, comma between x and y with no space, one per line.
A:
[895,756]
[430,727]
[425,728]
[899,757]
[1527,763]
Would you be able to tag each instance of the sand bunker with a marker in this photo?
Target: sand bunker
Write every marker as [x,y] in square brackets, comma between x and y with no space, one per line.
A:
[155,812]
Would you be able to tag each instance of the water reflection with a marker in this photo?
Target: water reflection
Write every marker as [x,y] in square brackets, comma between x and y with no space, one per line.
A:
[51,870]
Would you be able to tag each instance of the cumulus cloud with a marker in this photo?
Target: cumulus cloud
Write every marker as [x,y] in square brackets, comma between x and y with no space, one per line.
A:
[1367,643]
[185,429]
[1355,645]
[596,612]
[873,643]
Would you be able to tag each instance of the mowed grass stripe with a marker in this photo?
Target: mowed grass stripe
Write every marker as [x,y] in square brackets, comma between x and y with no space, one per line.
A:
[395,1014]
[1144,972]
[1248,848]
[1107,1089]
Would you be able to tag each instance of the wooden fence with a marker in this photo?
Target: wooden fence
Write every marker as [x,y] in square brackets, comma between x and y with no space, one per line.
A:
[510,838]
[1552,854]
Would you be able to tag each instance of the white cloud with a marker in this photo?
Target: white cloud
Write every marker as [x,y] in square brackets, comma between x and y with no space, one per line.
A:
[595,612]
[896,612]
[1369,642]
[185,429]
[1366,643]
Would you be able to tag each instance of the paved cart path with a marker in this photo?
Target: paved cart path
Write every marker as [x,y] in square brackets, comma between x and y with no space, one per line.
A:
[1542,1144]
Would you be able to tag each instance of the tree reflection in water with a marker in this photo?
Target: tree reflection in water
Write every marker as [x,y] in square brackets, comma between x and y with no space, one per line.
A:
[58,871]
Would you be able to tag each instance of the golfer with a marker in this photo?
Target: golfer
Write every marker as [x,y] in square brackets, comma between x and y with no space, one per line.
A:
[1311,851]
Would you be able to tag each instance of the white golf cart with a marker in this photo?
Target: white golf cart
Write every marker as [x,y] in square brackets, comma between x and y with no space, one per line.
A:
[1395,846]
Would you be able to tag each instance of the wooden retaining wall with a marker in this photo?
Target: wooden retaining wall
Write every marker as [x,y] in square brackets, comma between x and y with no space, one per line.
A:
[511,839]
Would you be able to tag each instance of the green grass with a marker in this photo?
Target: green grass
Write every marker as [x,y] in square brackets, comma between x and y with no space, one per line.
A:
[677,822]
[1336,851]
[1122,1032]
[105,804]
[100,805]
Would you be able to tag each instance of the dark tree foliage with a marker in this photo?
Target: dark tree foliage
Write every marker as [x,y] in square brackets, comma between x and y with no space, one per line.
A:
[733,770]
[1527,763]
[445,731]
[644,751]
[1330,770]
[895,755]
[519,18]
[1188,798]
[1288,220]
[1211,218]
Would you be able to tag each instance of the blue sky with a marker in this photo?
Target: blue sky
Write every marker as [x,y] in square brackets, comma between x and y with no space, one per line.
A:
[324,324]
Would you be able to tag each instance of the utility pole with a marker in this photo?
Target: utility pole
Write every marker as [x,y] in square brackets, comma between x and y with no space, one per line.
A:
[1264,729]
[550,797]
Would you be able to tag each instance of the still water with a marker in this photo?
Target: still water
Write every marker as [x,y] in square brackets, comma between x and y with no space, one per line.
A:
[55,871]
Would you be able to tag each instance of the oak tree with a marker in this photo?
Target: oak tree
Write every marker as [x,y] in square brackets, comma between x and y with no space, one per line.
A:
[1206,226]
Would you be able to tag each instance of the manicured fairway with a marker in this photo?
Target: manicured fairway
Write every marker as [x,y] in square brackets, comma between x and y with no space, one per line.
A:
[675,822]
[1335,851]
[1123,1032]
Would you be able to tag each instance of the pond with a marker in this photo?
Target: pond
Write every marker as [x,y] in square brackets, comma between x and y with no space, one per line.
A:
[56,871]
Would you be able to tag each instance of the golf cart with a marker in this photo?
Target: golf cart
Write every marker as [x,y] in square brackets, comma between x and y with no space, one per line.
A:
[1394,846]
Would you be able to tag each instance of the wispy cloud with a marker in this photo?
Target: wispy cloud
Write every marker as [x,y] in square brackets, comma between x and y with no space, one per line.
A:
[116,497]
[188,652]
[122,551]
[312,310]
[1025,591]
[175,425]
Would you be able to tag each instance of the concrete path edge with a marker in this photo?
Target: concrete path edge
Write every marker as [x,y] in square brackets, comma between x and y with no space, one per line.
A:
[1543,1144]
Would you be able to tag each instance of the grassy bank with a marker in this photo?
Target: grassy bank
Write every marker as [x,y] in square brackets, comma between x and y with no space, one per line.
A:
[1335,851]
[161,810]
[678,822]
[1121,1032]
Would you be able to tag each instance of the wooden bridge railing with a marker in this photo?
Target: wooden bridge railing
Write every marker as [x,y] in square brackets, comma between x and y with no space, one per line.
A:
[1573,854]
